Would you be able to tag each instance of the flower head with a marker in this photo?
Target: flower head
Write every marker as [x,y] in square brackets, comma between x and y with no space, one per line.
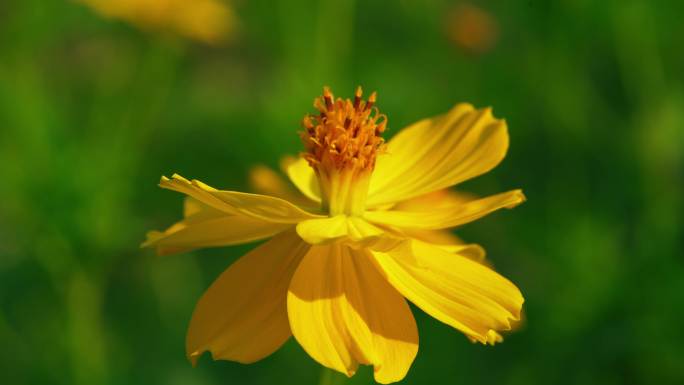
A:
[367,232]
[342,143]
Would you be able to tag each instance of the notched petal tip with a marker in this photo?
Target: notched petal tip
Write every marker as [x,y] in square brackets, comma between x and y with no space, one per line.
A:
[454,289]
[492,338]
[518,197]
[516,318]
[193,358]
[150,238]
[168,183]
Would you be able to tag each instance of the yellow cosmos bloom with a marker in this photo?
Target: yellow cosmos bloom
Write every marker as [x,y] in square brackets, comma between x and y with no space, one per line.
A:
[209,21]
[367,232]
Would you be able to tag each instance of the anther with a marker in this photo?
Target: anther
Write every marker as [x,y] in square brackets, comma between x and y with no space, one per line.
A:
[371,101]
[344,133]
[306,122]
[357,97]
[328,97]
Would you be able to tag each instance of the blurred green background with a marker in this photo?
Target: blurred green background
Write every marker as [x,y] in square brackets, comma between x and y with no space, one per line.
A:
[94,110]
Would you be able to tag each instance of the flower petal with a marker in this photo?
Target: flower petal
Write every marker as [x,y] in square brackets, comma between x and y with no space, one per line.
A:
[266,181]
[315,231]
[304,178]
[429,202]
[437,199]
[243,316]
[445,217]
[192,206]
[223,230]
[493,338]
[439,238]
[343,312]
[262,207]
[436,153]
[452,288]
[471,251]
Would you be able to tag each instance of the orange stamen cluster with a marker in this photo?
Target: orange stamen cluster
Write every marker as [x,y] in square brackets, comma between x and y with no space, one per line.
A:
[345,134]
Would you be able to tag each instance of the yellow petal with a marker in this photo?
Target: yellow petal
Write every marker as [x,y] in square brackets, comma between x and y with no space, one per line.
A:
[436,153]
[471,251]
[452,288]
[262,207]
[193,206]
[445,241]
[343,312]
[304,178]
[429,202]
[315,231]
[266,181]
[438,238]
[243,315]
[359,229]
[209,21]
[445,217]
[493,338]
[222,230]
[436,199]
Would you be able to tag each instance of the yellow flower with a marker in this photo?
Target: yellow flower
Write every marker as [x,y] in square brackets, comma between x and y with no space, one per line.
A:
[472,29]
[209,21]
[367,232]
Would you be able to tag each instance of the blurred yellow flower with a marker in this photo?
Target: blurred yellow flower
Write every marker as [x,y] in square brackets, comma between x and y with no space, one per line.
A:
[209,21]
[367,232]
[472,29]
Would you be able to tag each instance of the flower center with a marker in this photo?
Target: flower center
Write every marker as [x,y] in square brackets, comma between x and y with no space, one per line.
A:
[342,142]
